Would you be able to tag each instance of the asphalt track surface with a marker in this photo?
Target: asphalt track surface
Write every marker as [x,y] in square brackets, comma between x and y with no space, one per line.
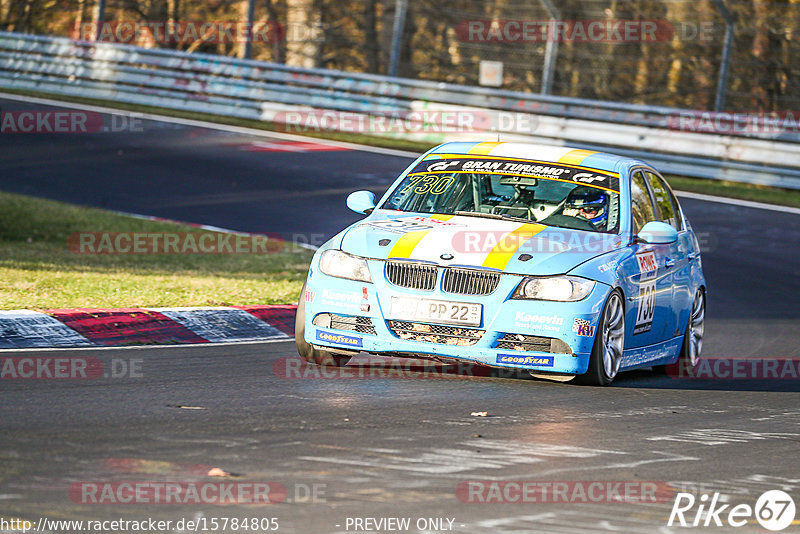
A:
[383,447]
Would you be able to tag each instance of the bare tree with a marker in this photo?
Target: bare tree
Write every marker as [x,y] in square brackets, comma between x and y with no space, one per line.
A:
[300,17]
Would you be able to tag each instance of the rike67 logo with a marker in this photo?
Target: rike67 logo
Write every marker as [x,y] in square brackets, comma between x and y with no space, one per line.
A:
[774,510]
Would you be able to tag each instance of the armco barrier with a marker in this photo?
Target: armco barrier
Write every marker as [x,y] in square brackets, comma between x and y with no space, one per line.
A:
[261,91]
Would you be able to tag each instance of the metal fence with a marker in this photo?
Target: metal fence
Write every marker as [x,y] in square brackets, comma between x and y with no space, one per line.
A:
[266,91]
[699,54]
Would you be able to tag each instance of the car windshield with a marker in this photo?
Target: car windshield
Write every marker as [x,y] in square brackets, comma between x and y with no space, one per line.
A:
[550,194]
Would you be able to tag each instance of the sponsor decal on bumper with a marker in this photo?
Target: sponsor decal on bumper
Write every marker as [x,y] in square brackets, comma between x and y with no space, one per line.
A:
[526,361]
[549,323]
[582,327]
[330,337]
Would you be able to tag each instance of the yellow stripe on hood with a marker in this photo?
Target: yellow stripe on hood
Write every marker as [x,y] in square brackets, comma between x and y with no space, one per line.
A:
[501,254]
[404,247]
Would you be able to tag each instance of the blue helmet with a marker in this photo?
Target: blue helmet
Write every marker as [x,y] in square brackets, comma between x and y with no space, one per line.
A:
[591,203]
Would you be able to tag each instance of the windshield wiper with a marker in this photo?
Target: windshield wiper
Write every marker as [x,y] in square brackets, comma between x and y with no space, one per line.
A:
[499,216]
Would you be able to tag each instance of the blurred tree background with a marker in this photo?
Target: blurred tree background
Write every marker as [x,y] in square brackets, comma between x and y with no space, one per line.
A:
[679,68]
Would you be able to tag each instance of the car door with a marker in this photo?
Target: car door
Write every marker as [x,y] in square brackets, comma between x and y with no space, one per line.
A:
[650,303]
[677,260]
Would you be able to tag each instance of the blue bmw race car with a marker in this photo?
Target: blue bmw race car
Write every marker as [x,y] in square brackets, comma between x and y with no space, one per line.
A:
[563,262]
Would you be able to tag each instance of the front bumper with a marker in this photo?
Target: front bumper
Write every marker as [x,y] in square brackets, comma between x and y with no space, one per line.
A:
[507,325]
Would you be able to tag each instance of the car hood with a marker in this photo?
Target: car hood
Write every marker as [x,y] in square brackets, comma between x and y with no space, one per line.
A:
[513,247]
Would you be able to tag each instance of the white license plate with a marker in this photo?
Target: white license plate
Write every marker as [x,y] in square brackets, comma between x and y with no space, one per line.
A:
[435,311]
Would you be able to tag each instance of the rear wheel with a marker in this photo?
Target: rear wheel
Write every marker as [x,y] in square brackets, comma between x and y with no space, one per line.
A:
[609,342]
[693,344]
[692,338]
[305,350]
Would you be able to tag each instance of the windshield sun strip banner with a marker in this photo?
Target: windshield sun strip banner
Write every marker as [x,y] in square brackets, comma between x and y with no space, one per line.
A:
[433,157]
[560,172]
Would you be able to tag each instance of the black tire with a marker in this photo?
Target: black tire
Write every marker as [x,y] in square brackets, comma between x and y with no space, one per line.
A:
[596,374]
[306,351]
[689,356]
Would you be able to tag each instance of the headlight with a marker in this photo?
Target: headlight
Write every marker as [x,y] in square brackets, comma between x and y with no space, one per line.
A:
[343,265]
[559,288]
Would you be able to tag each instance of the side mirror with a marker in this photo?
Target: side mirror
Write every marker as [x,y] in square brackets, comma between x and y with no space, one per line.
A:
[361,201]
[657,233]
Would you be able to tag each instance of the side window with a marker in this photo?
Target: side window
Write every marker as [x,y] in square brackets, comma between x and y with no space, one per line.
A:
[678,216]
[667,210]
[641,207]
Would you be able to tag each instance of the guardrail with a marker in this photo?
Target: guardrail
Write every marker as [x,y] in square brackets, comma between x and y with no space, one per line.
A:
[264,91]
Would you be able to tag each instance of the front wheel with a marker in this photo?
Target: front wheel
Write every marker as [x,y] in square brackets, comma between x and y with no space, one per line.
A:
[609,342]
[306,351]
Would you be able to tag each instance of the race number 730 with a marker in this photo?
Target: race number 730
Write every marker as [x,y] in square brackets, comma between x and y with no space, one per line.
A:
[647,303]
[428,183]
[647,292]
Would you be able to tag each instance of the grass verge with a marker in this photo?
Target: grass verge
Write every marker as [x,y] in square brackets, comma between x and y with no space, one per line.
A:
[771,195]
[38,270]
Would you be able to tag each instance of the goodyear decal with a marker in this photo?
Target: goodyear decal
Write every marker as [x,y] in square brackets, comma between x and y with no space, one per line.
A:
[339,339]
[526,361]
[566,170]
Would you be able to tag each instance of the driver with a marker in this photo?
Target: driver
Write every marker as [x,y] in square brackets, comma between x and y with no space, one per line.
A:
[588,203]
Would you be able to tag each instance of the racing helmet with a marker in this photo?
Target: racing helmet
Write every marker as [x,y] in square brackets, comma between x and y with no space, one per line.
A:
[591,203]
